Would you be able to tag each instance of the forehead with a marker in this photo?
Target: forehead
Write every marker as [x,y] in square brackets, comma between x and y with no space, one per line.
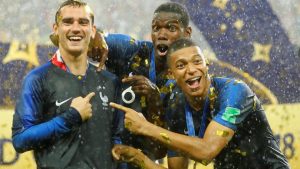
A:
[186,53]
[166,16]
[75,11]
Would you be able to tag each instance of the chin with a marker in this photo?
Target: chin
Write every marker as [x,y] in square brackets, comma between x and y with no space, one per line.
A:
[197,92]
[76,51]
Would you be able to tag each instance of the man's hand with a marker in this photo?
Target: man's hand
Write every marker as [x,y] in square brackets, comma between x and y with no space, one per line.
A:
[134,121]
[134,156]
[126,153]
[83,106]
[142,86]
[98,50]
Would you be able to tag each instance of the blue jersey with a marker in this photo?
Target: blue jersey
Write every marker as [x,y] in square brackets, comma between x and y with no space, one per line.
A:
[127,55]
[234,105]
[45,122]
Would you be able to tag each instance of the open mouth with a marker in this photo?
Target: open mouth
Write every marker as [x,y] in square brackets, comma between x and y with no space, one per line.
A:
[194,82]
[162,49]
[75,38]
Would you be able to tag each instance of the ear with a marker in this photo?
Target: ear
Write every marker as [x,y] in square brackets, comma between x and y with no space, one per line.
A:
[94,31]
[54,35]
[170,74]
[207,62]
[55,28]
[188,32]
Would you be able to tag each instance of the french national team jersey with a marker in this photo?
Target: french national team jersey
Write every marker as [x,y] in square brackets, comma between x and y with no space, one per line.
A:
[45,123]
[234,105]
[129,56]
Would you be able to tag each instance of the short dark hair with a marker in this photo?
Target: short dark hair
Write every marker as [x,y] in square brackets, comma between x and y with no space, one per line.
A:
[179,44]
[74,3]
[175,8]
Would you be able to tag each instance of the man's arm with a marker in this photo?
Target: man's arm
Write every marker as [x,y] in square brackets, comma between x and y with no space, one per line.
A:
[134,156]
[36,136]
[143,87]
[203,150]
[178,163]
[29,129]
[115,50]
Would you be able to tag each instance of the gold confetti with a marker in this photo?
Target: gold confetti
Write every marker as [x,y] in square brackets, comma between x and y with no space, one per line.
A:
[146,62]
[135,65]
[164,89]
[222,133]
[143,101]
[132,40]
[237,81]
[254,104]
[165,137]
[137,59]
[243,153]
[155,117]
[204,162]
[228,81]
[128,125]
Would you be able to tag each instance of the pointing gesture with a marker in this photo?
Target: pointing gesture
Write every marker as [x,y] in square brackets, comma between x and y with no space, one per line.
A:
[134,121]
[83,106]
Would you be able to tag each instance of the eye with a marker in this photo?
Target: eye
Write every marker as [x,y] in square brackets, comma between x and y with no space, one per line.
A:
[84,22]
[180,65]
[67,21]
[198,61]
[172,28]
[155,28]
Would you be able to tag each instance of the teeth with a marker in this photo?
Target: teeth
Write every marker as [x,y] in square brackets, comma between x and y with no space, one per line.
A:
[162,48]
[75,38]
[196,78]
[193,79]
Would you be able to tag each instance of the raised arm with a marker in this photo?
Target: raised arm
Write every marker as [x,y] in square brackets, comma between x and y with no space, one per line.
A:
[203,150]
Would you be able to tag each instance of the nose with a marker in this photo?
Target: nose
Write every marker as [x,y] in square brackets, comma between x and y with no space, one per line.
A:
[191,69]
[162,34]
[75,27]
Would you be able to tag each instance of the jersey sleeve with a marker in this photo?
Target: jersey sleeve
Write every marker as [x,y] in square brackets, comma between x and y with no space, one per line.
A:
[121,48]
[29,131]
[236,102]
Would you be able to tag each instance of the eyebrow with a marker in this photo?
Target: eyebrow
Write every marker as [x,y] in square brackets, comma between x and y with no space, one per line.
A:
[168,21]
[71,19]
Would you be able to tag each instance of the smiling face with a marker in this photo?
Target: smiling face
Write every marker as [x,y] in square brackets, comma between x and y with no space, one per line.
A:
[74,29]
[166,28]
[189,68]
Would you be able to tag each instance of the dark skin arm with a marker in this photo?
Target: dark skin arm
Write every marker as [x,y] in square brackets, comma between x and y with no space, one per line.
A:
[98,50]
[203,149]
[134,156]
[142,86]
[145,88]
[178,163]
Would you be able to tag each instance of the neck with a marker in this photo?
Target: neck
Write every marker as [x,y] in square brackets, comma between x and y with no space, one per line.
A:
[77,64]
[197,102]
[159,67]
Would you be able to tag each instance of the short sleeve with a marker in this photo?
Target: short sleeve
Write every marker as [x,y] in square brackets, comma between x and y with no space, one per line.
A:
[236,102]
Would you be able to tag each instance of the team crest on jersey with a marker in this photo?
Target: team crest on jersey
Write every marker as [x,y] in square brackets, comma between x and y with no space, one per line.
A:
[102,96]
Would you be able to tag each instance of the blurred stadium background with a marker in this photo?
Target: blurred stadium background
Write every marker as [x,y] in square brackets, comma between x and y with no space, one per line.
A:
[256,41]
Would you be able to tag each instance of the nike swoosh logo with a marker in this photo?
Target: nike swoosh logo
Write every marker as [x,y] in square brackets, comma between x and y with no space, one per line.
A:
[60,103]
